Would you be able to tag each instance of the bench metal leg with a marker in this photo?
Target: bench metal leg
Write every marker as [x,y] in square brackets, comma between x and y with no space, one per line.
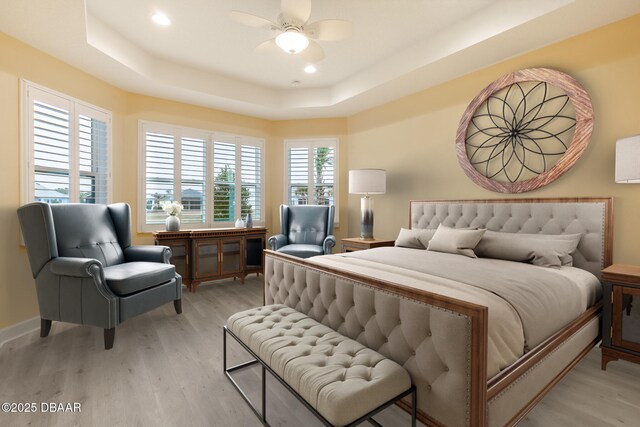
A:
[227,372]
[264,396]
[414,406]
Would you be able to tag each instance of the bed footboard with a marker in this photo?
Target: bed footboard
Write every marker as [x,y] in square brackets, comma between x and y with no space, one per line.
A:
[441,341]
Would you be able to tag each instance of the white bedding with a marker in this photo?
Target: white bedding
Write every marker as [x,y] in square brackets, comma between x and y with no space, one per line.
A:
[526,304]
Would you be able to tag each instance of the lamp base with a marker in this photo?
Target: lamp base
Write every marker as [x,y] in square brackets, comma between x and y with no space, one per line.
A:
[366,218]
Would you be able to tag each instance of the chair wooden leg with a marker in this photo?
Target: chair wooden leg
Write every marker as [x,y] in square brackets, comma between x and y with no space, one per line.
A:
[177,304]
[45,327]
[109,336]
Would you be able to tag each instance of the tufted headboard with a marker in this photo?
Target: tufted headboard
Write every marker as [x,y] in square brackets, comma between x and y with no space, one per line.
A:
[593,217]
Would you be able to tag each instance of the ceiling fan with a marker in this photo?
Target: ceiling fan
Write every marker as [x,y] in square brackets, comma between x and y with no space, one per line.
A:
[296,34]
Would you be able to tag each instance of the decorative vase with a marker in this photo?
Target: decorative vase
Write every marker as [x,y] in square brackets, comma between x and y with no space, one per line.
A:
[172,223]
[249,222]
[239,223]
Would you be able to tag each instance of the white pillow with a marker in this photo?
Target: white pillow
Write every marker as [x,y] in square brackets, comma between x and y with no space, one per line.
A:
[544,250]
[455,240]
[417,238]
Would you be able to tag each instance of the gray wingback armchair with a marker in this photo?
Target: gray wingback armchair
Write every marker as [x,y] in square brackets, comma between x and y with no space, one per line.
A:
[86,270]
[305,231]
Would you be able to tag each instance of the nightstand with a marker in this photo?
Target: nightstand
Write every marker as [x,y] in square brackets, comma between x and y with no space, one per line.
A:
[621,314]
[352,244]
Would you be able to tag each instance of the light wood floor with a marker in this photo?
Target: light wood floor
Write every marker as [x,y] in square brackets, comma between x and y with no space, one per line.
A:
[166,370]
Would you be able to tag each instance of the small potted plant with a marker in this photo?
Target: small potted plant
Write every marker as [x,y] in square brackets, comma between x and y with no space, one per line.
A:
[173,209]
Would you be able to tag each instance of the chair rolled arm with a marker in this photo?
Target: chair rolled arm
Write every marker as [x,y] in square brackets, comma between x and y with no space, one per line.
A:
[328,244]
[82,268]
[87,299]
[277,241]
[148,253]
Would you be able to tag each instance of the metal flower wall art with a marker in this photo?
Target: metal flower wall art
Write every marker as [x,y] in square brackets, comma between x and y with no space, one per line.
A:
[524,130]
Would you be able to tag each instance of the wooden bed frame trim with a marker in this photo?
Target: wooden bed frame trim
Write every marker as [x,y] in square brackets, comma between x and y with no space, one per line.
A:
[480,394]
[483,390]
[542,350]
[537,398]
[479,330]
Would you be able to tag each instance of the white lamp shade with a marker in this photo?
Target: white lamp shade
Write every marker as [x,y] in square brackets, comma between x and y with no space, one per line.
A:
[628,160]
[367,181]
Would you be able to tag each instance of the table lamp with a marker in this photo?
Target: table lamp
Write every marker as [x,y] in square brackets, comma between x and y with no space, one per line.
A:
[367,181]
[628,160]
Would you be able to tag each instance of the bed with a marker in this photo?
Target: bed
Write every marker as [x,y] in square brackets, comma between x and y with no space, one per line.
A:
[470,366]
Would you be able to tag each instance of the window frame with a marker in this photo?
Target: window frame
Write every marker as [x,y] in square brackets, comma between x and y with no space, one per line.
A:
[76,108]
[311,144]
[210,137]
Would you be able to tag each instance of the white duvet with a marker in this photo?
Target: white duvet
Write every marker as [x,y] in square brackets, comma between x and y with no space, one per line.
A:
[526,303]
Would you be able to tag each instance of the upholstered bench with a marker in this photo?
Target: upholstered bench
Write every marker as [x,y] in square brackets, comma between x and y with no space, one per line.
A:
[341,381]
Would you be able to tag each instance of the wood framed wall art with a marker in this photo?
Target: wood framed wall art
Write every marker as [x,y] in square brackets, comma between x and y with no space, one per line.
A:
[524,130]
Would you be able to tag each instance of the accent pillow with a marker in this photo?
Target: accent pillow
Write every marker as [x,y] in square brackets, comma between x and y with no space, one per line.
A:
[417,238]
[565,259]
[456,240]
[544,250]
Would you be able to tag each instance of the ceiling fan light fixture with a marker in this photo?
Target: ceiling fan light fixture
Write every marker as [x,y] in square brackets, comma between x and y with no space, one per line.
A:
[292,41]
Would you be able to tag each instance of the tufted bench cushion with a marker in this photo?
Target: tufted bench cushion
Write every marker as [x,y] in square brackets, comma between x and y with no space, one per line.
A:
[339,377]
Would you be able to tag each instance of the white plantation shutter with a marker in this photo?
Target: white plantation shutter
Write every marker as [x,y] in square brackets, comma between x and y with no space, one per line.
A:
[159,175]
[218,176]
[224,181]
[193,180]
[251,166]
[323,175]
[298,176]
[66,146]
[93,159]
[51,153]
[312,171]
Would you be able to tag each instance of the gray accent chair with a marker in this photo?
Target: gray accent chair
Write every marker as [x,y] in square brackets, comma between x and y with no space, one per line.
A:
[86,270]
[305,231]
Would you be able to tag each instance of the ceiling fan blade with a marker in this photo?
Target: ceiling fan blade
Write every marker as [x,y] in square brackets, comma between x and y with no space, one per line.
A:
[313,53]
[330,30]
[252,20]
[296,10]
[267,46]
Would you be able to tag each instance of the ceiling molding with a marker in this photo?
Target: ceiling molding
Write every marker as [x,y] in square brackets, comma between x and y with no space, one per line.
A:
[499,31]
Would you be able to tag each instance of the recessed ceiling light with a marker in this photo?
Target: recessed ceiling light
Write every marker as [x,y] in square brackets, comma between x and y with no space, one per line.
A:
[296,83]
[161,19]
[310,69]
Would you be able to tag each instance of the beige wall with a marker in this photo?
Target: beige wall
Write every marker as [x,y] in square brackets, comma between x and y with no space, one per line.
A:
[17,292]
[413,138]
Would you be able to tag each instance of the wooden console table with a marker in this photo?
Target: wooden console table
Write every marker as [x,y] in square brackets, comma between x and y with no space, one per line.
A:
[214,253]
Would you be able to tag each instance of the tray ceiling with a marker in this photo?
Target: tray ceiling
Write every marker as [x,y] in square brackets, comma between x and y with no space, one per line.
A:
[205,58]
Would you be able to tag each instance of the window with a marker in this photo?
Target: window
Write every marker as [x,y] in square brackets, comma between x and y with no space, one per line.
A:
[218,177]
[224,181]
[66,144]
[194,177]
[312,171]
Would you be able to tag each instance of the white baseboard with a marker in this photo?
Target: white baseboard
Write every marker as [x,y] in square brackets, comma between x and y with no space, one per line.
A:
[19,329]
